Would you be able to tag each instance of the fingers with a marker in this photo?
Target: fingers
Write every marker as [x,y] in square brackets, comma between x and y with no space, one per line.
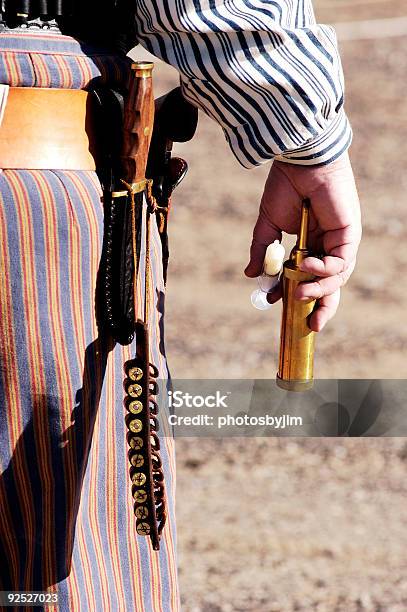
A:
[325,310]
[328,266]
[279,210]
[344,241]
[323,287]
[335,205]
[264,234]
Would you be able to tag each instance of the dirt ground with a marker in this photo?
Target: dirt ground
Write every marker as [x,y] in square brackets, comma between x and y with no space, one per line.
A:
[290,524]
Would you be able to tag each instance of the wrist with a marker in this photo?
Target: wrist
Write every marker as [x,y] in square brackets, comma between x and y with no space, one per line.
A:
[306,180]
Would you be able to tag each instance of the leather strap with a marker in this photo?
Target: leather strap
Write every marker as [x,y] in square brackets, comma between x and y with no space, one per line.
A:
[47,129]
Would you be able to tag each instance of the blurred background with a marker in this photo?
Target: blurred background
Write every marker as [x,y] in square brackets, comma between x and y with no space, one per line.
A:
[289,524]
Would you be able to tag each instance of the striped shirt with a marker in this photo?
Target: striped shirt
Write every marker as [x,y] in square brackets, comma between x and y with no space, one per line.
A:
[263,69]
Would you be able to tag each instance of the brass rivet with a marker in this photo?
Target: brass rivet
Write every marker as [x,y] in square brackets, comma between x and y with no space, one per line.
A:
[135,425]
[135,390]
[137,460]
[135,373]
[141,512]
[139,479]
[143,529]
[146,131]
[136,443]
[140,496]
[135,406]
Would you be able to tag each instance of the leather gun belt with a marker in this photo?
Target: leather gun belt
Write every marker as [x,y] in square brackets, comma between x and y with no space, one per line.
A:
[47,129]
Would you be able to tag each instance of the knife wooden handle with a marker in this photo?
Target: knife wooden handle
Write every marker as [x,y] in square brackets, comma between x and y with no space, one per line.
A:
[138,122]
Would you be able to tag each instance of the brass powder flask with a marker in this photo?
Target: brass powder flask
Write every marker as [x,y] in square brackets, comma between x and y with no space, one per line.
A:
[296,363]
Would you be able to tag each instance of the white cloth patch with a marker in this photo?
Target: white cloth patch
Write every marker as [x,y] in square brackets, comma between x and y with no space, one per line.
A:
[3,100]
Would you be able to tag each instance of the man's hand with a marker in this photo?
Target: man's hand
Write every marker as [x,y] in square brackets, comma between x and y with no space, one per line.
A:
[335,228]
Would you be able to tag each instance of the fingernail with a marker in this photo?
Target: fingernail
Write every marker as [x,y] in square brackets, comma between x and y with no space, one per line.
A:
[305,298]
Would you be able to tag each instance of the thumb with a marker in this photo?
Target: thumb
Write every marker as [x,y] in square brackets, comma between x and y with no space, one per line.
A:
[264,233]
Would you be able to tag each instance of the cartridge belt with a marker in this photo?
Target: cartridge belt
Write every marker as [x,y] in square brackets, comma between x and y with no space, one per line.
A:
[47,129]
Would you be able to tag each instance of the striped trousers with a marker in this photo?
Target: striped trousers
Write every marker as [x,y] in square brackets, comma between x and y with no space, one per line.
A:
[66,517]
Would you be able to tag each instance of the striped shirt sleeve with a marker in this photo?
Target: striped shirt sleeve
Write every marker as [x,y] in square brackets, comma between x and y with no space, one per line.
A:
[263,69]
